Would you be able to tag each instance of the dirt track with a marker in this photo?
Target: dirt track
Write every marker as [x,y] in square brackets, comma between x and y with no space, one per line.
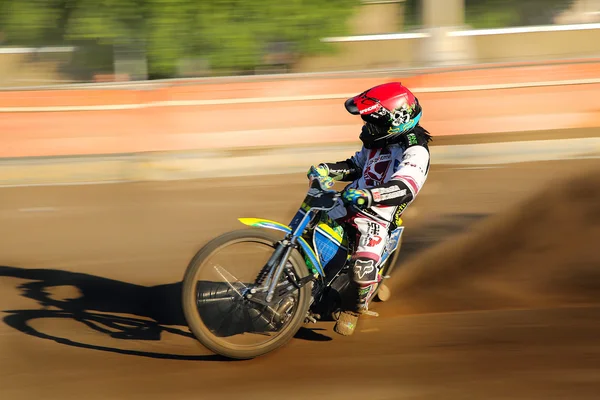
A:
[119,252]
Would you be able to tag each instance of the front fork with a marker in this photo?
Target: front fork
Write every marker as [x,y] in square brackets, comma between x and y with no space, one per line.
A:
[288,245]
[279,258]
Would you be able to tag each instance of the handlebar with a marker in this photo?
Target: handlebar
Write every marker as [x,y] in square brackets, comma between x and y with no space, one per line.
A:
[319,195]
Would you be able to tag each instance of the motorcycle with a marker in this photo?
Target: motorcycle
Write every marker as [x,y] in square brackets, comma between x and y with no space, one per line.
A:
[283,282]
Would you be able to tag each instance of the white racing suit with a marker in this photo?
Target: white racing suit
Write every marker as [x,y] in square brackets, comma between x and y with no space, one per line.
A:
[394,175]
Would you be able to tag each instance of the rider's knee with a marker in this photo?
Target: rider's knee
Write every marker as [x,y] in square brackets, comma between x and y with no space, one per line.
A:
[364,271]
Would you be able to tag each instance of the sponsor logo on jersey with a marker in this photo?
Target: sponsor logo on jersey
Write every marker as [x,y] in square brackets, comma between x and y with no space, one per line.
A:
[377,168]
[391,192]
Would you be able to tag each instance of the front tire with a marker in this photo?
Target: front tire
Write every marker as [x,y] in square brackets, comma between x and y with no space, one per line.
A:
[191,299]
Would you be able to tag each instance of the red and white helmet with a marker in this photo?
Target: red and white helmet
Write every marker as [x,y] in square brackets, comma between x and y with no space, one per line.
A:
[389,110]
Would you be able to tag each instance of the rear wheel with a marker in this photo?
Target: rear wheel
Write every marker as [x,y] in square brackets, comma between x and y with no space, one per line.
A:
[383,292]
[215,297]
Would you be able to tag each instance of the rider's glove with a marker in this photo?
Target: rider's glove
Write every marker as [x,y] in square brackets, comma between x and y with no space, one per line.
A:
[321,173]
[321,170]
[361,198]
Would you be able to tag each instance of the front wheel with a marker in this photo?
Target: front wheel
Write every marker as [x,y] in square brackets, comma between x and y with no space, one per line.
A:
[216,302]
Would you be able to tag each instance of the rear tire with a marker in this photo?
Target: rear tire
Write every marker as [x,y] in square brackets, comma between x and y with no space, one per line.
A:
[385,294]
[192,314]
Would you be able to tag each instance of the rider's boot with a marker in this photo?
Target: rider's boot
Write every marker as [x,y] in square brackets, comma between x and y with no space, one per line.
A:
[347,321]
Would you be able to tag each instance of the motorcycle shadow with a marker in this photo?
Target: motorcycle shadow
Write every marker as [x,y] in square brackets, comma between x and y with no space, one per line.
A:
[120,310]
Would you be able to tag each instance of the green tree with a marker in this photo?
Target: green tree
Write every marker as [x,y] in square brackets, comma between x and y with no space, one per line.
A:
[232,35]
[506,13]
[481,14]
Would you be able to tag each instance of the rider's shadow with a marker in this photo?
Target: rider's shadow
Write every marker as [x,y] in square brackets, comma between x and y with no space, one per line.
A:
[118,309]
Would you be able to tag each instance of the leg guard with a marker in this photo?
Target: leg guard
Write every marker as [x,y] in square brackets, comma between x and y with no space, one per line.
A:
[366,276]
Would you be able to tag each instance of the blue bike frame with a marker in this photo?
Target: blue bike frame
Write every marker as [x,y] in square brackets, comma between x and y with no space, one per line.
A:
[319,198]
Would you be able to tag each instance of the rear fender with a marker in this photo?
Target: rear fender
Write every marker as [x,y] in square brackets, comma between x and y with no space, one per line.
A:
[392,245]
[268,224]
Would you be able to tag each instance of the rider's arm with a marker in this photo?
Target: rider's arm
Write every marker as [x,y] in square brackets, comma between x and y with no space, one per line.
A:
[343,170]
[403,187]
[406,182]
[348,170]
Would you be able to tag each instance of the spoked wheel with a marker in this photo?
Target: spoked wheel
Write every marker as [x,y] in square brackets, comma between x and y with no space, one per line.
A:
[223,291]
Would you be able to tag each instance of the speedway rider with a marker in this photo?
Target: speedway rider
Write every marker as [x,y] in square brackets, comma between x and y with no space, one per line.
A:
[385,175]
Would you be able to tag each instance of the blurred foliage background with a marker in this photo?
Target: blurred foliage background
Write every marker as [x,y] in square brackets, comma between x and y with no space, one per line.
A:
[232,36]
[169,38]
[482,14]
